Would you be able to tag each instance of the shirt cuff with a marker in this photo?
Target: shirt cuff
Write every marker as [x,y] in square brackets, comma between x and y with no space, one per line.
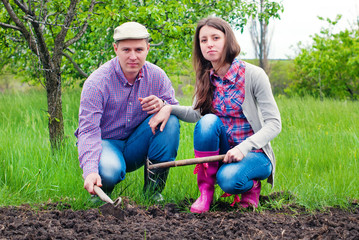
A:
[87,170]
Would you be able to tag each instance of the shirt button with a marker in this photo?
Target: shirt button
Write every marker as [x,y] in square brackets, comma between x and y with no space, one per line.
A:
[130,103]
[128,120]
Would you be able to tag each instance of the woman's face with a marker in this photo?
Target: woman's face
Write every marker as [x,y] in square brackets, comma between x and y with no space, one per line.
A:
[212,43]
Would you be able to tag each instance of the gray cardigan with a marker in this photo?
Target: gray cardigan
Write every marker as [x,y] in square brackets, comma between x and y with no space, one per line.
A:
[260,109]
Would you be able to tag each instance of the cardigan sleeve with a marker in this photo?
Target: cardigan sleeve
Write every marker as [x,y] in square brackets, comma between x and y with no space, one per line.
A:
[186,113]
[261,111]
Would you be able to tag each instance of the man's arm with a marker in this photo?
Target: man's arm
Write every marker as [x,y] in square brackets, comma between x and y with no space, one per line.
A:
[89,135]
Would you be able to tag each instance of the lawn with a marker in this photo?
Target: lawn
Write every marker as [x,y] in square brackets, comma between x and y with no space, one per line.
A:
[317,155]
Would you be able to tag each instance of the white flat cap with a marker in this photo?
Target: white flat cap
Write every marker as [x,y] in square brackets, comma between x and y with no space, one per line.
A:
[130,30]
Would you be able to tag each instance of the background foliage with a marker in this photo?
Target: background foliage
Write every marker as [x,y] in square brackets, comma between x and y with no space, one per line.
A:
[171,25]
[330,66]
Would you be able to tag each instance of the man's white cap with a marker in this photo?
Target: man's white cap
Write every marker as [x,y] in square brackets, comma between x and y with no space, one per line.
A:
[130,30]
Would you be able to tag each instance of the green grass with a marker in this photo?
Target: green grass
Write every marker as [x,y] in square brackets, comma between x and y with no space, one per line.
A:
[317,155]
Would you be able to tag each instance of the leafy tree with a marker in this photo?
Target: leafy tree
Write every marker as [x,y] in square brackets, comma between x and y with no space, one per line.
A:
[55,42]
[330,66]
[45,30]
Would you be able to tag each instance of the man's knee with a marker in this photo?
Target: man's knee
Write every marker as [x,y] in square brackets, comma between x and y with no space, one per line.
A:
[173,124]
[172,129]
[111,175]
[111,168]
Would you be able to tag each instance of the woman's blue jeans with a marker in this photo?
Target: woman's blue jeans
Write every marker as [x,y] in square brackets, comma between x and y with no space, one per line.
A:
[121,156]
[234,178]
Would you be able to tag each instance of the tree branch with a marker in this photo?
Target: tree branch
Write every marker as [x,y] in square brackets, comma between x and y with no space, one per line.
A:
[22,7]
[59,42]
[67,22]
[84,26]
[157,44]
[4,25]
[76,66]
[21,27]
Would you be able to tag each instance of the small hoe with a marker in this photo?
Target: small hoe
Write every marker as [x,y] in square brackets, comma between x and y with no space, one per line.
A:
[110,207]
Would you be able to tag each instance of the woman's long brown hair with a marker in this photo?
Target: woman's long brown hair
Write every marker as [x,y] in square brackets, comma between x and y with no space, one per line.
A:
[204,87]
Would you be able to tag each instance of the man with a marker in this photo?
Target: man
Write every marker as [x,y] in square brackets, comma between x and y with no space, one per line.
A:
[117,101]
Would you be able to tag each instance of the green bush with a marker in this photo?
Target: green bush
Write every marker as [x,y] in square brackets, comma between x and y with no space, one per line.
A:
[329,67]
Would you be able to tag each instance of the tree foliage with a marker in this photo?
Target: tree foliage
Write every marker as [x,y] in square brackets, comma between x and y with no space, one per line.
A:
[55,42]
[330,66]
[171,25]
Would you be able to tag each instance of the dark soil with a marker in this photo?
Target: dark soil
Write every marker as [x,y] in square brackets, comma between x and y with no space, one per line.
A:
[172,222]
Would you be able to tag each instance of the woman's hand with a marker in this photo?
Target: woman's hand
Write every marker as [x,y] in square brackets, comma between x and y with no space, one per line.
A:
[160,118]
[151,104]
[233,155]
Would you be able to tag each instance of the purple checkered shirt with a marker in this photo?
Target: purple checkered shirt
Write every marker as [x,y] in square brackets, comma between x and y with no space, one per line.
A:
[110,109]
[227,103]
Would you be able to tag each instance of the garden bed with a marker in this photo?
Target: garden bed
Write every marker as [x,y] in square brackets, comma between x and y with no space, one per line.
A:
[171,221]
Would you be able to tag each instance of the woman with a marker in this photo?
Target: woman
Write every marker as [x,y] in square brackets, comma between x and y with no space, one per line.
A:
[236,113]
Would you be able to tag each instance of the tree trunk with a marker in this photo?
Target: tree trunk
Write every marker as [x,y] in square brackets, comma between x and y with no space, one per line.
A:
[258,33]
[54,105]
[31,27]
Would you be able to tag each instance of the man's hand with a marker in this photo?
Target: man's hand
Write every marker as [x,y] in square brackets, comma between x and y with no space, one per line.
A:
[91,180]
[160,118]
[233,155]
[151,104]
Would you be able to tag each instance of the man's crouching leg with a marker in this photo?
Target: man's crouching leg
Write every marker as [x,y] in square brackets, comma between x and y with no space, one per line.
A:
[163,148]
[112,166]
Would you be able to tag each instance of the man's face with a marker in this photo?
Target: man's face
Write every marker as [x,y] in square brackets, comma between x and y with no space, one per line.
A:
[132,55]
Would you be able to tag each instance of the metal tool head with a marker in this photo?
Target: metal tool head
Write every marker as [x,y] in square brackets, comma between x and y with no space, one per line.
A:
[113,210]
[111,207]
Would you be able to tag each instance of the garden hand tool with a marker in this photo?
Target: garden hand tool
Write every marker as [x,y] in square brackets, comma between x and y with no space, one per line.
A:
[110,207]
[149,167]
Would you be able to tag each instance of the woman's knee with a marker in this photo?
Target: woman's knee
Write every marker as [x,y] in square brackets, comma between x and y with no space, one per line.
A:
[206,126]
[230,180]
[226,182]
[207,122]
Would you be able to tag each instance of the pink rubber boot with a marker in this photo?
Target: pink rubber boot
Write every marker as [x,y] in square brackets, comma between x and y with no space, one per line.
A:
[251,197]
[206,178]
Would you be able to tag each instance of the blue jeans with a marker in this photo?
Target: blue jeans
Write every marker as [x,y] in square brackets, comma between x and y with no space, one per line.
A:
[121,156]
[234,178]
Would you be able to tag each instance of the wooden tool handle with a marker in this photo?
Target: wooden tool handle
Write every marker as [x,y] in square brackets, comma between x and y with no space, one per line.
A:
[103,196]
[187,162]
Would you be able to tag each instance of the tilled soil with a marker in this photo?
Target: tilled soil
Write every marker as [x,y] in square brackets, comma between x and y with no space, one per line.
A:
[172,222]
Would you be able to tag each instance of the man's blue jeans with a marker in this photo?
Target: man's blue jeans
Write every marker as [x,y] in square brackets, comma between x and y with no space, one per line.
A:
[234,178]
[121,156]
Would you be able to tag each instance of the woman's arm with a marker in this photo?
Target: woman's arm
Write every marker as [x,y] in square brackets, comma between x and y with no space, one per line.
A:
[270,126]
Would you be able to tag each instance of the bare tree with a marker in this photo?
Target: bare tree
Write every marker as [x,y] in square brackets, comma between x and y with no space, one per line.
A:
[31,19]
[259,30]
